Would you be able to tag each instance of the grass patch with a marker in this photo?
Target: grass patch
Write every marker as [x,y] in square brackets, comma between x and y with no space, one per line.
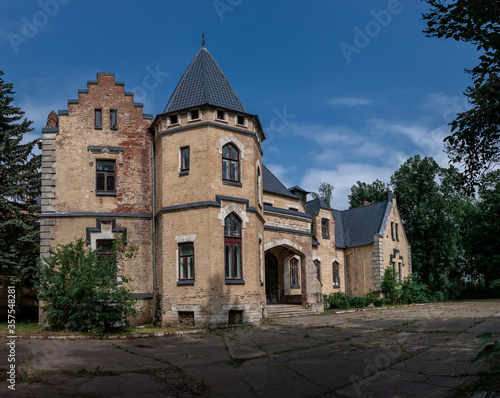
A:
[27,329]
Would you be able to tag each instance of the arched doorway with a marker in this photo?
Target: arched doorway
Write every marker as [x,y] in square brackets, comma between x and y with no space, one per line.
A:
[272,289]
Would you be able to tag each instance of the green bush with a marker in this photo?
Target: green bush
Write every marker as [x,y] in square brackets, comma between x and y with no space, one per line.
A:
[414,292]
[437,296]
[337,300]
[78,288]
[357,302]
[373,298]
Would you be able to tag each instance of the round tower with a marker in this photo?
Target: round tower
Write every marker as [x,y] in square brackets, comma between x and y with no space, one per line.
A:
[208,202]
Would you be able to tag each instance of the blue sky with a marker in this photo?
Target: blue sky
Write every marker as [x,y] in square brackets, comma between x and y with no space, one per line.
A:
[345,90]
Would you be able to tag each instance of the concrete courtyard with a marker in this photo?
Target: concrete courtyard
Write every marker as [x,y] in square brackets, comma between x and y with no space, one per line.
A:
[415,351]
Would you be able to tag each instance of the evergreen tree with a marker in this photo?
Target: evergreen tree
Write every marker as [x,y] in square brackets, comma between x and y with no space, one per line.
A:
[19,189]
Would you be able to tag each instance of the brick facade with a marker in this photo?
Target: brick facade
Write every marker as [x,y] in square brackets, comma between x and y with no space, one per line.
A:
[174,201]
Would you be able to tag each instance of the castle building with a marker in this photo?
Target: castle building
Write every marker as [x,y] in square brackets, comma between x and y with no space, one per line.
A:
[220,238]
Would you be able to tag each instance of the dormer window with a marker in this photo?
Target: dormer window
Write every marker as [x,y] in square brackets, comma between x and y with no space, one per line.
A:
[241,121]
[220,116]
[194,115]
[172,120]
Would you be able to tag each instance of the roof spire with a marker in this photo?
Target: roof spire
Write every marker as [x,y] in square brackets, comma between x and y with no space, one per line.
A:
[203,42]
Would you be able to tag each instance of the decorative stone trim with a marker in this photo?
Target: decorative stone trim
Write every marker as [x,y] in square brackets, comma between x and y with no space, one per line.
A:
[105,149]
[93,233]
[231,138]
[378,260]
[185,238]
[233,208]
[287,226]
[283,242]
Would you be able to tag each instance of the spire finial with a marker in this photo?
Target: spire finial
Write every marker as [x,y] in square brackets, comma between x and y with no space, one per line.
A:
[203,42]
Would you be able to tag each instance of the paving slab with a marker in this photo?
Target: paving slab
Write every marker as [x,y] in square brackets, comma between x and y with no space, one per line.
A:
[398,352]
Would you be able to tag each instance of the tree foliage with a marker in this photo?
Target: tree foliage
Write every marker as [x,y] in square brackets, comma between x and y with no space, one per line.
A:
[429,204]
[481,246]
[19,188]
[475,138]
[325,193]
[376,192]
[79,288]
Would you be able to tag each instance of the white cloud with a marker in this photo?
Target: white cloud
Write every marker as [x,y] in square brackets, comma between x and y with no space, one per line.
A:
[281,172]
[343,177]
[349,101]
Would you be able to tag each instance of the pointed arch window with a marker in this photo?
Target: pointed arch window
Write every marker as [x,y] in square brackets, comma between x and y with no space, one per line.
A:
[232,248]
[294,273]
[230,163]
[336,274]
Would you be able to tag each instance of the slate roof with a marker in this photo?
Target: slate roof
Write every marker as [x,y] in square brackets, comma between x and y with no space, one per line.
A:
[204,82]
[270,183]
[296,187]
[358,226]
[314,206]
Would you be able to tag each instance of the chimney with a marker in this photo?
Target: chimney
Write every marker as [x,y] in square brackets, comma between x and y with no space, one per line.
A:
[364,202]
[52,120]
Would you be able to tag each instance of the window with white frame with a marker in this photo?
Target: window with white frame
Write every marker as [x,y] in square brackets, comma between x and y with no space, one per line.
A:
[232,247]
[173,120]
[220,115]
[186,261]
[241,121]
[194,115]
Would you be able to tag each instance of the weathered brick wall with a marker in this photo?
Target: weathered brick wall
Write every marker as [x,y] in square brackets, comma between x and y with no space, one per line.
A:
[70,203]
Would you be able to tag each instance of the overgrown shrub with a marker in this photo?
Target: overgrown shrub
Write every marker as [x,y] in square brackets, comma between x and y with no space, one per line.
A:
[390,286]
[414,292]
[357,302]
[79,290]
[373,298]
[337,300]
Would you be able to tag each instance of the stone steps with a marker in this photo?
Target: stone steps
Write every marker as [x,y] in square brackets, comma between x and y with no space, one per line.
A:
[287,310]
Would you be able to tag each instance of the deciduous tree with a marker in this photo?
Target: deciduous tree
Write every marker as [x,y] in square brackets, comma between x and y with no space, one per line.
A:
[474,141]
[376,192]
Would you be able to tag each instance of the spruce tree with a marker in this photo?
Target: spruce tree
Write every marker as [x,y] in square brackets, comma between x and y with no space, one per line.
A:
[19,189]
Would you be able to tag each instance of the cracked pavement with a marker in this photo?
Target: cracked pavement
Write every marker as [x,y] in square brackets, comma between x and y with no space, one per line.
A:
[396,352]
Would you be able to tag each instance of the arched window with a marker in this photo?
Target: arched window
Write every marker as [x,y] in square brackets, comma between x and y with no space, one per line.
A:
[317,264]
[230,163]
[232,247]
[294,273]
[259,186]
[336,274]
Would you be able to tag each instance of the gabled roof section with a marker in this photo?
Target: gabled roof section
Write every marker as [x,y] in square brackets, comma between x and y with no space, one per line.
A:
[314,206]
[271,184]
[358,226]
[204,82]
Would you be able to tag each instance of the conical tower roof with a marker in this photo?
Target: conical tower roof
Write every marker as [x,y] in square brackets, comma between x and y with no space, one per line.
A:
[204,83]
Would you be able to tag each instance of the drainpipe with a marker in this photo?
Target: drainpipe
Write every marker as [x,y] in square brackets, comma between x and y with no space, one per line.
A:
[153,188]
[345,273]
